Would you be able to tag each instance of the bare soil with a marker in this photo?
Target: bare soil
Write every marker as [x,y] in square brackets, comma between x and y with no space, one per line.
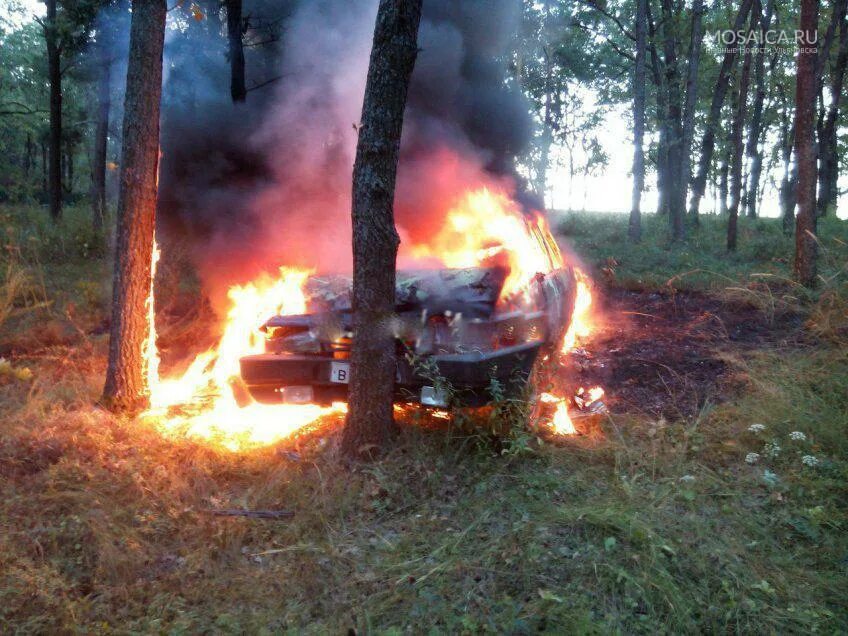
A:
[666,354]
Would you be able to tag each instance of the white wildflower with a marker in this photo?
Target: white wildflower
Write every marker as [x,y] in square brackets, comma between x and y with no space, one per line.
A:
[810,460]
[752,458]
[687,479]
[797,436]
[771,449]
[756,428]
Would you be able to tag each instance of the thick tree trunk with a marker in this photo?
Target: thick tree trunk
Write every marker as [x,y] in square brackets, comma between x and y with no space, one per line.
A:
[719,93]
[828,139]
[126,382]
[370,418]
[805,148]
[54,79]
[235,27]
[695,44]
[753,152]
[737,150]
[101,141]
[634,229]
[675,197]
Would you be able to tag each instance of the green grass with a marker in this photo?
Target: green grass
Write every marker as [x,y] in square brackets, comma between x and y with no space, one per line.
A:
[653,527]
[702,261]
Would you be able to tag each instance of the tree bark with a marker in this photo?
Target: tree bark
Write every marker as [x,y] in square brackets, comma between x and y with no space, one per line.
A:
[719,93]
[101,141]
[753,152]
[828,139]
[126,382]
[235,28]
[370,418]
[54,79]
[737,147]
[695,45]
[675,196]
[661,117]
[634,229]
[805,148]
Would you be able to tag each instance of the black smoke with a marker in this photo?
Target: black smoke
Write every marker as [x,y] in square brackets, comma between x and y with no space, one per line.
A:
[253,186]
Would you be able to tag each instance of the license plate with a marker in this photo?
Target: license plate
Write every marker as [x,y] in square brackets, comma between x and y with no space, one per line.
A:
[340,372]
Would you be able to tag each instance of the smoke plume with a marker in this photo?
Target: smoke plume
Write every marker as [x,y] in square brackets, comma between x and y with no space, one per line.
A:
[267,183]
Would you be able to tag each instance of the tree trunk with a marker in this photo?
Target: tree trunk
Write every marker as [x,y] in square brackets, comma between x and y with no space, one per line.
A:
[695,44]
[28,158]
[101,141]
[724,161]
[828,139]
[805,148]
[675,197]
[370,418]
[44,169]
[753,152]
[54,78]
[737,146]
[126,382]
[235,27]
[719,93]
[634,229]
[70,147]
[661,116]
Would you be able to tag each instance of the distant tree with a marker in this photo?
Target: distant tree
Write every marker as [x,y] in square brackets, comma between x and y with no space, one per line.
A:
[828,125]
[66,27]
[689,107]
[370,418]
[737,146]
[634,230]
[126,382]
[235,50]
[806,242]
[699,183]
[755,133]
[54,79]
[101,134]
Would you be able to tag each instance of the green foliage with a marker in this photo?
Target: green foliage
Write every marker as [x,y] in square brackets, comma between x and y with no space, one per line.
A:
[702,262]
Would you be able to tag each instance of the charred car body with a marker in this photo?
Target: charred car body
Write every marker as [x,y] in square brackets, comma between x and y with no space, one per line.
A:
[454,328]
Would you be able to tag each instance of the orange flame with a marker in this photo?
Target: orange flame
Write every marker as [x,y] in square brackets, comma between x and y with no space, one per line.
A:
[205,391]
[581,322]
[488,226]
[485,226]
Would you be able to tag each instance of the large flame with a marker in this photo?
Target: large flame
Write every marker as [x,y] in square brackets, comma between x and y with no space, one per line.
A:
[485,226]
[488,226]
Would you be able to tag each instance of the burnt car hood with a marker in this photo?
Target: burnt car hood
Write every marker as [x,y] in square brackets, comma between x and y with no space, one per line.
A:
[472,292]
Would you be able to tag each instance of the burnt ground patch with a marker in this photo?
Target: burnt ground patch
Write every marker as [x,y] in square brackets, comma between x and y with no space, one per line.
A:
[664,354]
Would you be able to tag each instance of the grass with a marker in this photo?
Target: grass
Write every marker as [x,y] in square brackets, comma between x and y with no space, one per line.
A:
[702,261]
[654,527]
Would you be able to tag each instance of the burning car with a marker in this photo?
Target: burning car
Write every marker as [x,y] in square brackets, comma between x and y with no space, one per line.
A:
[459,329]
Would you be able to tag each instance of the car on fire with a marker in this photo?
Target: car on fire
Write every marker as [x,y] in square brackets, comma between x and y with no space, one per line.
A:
[459,331]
